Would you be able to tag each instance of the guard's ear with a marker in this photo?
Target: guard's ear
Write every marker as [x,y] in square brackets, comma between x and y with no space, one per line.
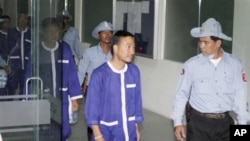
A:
[218,43]
[98,35]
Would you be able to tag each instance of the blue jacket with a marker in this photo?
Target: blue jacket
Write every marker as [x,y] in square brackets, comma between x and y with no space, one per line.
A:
[58,72]
[114,101]
[18,48]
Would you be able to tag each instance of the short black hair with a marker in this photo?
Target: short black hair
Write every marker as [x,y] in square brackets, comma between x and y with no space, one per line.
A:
[49,21]
[215,38]
[117,36]
[5,17]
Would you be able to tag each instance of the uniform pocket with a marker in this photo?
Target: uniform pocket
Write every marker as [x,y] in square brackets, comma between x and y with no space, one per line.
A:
[130,92]
[228,85]
[112,123]
[202,86]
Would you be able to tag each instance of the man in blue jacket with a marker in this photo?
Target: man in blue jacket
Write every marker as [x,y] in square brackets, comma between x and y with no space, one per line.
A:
[58,72]
[114,106]
[18,49]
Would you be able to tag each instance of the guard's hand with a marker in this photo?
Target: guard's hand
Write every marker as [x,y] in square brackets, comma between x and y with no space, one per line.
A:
[180,132]
[75,105]
[85,82]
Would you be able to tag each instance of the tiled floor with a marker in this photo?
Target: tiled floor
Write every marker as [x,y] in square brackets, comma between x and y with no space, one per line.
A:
[154,128]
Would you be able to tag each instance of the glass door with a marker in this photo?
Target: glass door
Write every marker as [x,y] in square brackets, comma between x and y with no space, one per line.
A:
[45,66]
[33,111]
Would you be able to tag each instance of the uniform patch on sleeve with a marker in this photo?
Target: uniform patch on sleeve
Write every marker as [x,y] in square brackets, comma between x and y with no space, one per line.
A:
[182,72]
[244,77]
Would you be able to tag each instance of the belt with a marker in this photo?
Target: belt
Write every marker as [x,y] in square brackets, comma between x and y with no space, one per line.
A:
[210,115]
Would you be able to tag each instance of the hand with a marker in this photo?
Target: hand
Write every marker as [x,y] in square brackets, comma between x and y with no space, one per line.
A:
[8,70]
[180,132]
[100,139]
[75,105]
[84,85]
[97,133]
[138,135]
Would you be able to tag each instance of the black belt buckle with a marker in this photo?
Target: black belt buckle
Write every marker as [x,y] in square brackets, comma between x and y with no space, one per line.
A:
[214,116]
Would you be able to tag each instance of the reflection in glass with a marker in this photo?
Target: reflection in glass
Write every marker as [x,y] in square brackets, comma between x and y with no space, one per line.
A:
[137,17]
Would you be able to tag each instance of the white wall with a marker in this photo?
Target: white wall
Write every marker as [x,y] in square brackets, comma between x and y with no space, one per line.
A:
[159,79]
[241,35]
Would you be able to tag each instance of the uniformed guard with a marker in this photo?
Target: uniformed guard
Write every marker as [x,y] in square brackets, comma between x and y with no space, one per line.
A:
[214,83]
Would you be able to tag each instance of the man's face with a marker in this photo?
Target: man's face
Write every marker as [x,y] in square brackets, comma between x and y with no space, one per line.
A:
[125,49]
[105,36]
[208,46]
[6,24]
[65,20]
[22,20]
[52,33]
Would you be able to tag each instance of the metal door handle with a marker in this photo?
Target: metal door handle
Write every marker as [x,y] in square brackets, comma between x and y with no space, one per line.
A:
[34,78]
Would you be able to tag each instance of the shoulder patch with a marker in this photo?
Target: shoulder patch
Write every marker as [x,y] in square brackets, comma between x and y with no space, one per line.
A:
[182,72]
[244,76]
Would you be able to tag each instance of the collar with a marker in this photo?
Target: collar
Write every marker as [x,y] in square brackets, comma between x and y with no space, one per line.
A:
[204,59]
[117,71]
[17,28]
[5,33]
[50,49]
[100,48]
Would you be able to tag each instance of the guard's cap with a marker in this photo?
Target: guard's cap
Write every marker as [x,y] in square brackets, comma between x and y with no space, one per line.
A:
[103,26]
[210,27]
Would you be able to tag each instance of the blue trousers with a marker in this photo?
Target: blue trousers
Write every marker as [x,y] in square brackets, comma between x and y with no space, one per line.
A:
[15,79]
